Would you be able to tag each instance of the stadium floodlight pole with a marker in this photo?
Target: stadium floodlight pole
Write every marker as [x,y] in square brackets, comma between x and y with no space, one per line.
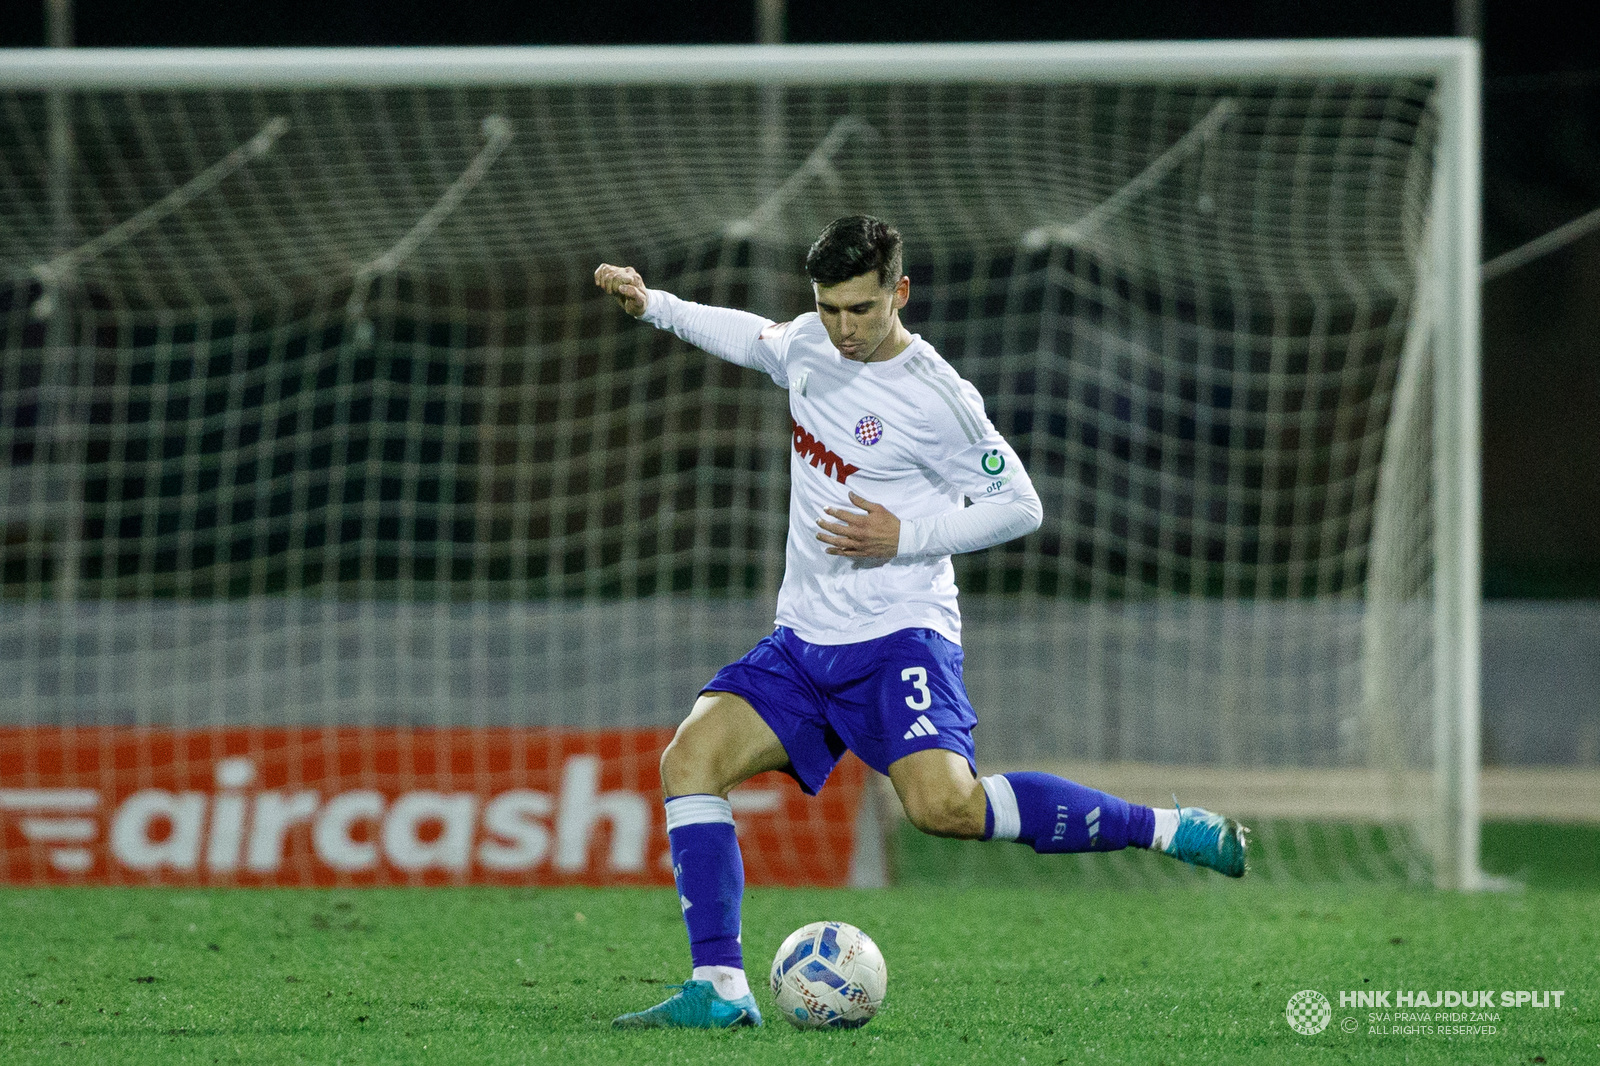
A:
[766,290]
[771,21]
[770,27]
[63,487]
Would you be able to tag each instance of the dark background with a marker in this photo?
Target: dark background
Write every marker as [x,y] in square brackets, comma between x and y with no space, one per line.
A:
[1541,360]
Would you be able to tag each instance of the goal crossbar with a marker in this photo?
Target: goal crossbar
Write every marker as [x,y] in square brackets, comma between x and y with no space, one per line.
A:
[306,68]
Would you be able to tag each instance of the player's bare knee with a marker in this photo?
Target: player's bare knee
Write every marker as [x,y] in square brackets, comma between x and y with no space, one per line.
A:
[685,766]
[708,754]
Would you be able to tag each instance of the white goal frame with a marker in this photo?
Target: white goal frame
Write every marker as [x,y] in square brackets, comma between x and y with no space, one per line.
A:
[1453,255]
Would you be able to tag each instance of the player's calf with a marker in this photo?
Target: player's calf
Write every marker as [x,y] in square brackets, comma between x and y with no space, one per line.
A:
[947,816]
[939,794]
[1055,815]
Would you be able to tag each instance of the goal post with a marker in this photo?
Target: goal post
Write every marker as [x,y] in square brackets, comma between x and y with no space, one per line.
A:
[1457,447]
[314,431]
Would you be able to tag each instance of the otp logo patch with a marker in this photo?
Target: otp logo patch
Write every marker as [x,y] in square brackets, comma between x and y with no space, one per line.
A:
[869,430]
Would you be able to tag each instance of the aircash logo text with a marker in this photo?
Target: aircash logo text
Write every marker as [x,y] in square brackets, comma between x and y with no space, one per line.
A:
[808,447]
[236,828]
[371,807]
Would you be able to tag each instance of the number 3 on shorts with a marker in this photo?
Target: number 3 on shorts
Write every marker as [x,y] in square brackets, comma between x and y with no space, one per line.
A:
[918,676]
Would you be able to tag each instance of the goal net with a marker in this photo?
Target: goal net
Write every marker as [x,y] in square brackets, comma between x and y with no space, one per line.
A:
[321,456]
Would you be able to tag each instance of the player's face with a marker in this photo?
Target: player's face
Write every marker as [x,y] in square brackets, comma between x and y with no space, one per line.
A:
[860,315]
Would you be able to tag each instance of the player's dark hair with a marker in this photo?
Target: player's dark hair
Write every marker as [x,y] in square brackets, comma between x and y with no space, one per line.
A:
[852,246]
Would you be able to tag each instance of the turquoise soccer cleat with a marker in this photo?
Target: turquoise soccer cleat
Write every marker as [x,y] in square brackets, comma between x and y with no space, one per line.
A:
[696,1006]
[1209,840]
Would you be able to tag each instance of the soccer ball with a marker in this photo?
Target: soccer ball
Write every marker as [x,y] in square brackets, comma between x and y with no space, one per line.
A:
[829,975]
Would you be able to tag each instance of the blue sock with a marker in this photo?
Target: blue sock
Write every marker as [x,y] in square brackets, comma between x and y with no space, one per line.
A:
[710,873]
[1056,815]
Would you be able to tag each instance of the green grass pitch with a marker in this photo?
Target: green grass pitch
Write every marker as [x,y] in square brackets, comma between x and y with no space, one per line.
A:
[1015,970]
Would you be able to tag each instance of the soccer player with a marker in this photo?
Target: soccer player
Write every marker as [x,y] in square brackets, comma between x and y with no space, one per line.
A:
[888,443]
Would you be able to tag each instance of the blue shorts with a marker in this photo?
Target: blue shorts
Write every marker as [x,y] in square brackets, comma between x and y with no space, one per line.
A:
[882,699]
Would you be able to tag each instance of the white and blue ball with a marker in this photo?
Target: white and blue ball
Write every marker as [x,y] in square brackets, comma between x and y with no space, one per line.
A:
[829,975]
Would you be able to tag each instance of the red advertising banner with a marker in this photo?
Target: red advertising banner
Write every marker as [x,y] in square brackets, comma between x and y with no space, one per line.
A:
[346,806]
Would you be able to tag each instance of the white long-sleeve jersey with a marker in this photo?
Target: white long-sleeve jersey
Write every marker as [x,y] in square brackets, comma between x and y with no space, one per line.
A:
[908,433]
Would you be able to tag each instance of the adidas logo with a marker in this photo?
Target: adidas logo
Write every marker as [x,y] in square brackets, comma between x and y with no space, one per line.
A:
[1093,819]
[920,728]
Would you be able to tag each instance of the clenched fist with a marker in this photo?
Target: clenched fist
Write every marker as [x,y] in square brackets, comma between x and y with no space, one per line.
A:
[625,284]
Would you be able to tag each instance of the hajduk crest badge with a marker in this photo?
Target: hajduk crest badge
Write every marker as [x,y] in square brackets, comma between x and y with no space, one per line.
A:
[869,430]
